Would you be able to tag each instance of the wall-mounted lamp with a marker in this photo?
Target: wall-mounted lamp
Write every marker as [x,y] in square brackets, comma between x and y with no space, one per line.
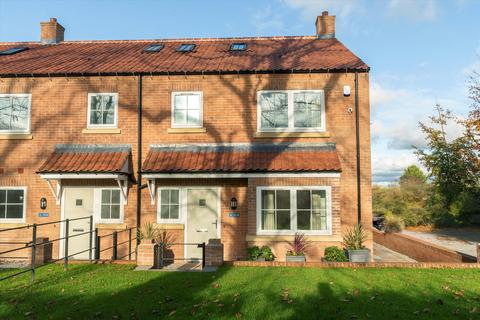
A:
[43,203]
[346,91]
[233,203]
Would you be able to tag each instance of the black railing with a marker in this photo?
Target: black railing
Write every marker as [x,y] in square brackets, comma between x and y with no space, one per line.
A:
[162,259]
[34,245]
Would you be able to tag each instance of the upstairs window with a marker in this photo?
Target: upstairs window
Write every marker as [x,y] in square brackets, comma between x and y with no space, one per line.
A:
[291,110]
[238,47]
[15,113]
[102,110]
[12,51]
[187,109]
[186,47]
[12,204]
[153,48]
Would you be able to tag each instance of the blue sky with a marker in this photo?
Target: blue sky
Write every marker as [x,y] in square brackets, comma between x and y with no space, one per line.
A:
[420,51]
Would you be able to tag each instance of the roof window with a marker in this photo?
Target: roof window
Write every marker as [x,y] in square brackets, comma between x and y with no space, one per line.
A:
[186,47]
[153,48]
[12,51]
[238,47]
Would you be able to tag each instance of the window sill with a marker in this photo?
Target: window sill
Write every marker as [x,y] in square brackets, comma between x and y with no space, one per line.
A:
[16,136]
[323,134]
[102,131]
[186,130]
[281,238]
[111,226]
[13,224]
[170,226]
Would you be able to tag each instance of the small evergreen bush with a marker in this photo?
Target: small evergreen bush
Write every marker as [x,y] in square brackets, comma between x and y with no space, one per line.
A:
[335,254]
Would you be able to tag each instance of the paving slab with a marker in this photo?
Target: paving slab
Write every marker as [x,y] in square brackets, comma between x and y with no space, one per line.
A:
[383,254]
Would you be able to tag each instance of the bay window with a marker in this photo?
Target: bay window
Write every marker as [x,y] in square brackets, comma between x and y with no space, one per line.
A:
[286,210]
[291,110]
[15,113]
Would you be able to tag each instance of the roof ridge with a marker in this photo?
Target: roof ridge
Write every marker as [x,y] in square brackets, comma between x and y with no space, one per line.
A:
[170,40]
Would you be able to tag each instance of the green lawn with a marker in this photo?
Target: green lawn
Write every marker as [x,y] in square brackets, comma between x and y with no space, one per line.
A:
[118,292]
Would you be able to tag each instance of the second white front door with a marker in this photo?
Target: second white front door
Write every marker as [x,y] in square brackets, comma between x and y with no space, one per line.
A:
[203,219]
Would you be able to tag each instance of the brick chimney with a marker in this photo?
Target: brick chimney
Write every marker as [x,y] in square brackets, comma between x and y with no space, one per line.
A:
[51,31]
[325,26]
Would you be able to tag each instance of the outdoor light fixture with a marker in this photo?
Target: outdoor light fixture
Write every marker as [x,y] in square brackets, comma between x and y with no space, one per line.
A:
[346,91]
[43,203]
[233,203]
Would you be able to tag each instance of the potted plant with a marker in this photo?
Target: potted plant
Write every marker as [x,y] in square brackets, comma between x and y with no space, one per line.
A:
[164,239]
[298,248]
[147,233]
[353,241]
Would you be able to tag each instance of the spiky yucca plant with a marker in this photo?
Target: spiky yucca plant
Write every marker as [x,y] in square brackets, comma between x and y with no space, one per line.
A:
[299,245]
[147,232]
[354,238]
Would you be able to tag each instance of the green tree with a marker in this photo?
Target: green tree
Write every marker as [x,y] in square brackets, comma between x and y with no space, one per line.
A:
[413,174]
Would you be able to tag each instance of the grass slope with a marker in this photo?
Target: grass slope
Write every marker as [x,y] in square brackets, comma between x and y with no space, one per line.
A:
[118,292]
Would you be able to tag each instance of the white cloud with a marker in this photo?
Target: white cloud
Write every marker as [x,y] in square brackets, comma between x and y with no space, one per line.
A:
[266,18]
[417,10]
[389,167]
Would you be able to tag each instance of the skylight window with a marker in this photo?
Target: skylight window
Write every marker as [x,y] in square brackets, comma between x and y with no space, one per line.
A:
[186,47]
[238,47]
[153,48]
[12,51]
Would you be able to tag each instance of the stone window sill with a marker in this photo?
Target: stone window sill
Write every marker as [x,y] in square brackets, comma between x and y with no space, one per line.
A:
[324,134]
[170,226]
[282,238]
[6,225]
[186,130]
[102,131]
[111,226]
[16,136]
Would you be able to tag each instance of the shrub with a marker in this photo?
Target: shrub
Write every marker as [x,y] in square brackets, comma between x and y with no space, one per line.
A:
[392,223]
[253,253]
[354,238]
[267,253]
[335,254]
[147,232]
[299,245]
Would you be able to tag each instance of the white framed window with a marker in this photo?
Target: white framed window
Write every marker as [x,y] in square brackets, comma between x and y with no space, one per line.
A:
[187,109]
[168,209]
[15,113]
[102,110]
[288,209]
[13,204]
[291,110]
[108,205]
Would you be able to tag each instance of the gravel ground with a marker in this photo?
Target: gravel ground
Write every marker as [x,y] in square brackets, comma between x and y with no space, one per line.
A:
[461,240]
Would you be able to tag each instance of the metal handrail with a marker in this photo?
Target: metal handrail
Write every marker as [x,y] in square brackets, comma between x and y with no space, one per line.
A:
[92,248]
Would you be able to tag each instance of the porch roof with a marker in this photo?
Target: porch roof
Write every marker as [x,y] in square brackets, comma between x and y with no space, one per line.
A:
[85,159]
[242,158]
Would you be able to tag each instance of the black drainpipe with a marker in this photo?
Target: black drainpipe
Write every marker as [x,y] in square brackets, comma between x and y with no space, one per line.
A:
[357,133]
[139,153]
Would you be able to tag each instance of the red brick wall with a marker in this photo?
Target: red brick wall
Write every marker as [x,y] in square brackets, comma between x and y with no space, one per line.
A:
[59,114]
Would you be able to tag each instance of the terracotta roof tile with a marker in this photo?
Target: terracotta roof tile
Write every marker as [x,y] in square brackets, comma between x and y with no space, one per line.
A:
[210,55]
[88,159]
[242,158]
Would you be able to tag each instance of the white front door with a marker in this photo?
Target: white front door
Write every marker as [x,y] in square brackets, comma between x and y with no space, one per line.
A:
[78,204]
[203,219]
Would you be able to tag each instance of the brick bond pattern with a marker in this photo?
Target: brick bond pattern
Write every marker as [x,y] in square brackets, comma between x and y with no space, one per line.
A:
[59,116]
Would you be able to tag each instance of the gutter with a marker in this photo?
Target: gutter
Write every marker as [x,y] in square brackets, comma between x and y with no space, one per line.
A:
[139,154]
[182,73]
[357,139]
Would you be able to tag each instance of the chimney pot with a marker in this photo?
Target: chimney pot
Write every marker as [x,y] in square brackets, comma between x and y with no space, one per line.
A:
[325,26]
[51,32]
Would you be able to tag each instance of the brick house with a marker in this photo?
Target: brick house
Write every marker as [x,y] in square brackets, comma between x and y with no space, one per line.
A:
[248,140]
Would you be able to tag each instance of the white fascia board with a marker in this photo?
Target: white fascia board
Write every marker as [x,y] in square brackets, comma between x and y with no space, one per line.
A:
[242,175]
